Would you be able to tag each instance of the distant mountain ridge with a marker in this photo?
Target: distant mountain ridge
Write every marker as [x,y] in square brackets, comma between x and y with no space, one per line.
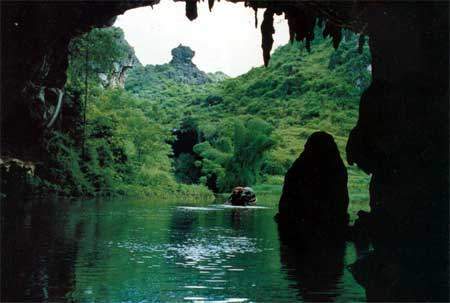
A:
[218,76]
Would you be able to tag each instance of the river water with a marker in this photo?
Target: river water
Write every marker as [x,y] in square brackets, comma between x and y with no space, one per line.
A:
[127,250]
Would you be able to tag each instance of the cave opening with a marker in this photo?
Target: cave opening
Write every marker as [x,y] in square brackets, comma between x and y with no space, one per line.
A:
[188,164]
[398,126]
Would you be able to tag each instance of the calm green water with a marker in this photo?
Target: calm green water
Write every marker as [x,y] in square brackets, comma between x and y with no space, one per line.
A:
[125,250]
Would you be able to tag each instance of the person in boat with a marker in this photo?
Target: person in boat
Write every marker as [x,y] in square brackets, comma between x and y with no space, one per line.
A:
[242,196]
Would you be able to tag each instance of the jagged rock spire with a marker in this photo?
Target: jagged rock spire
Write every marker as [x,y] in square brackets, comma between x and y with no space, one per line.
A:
[182,54]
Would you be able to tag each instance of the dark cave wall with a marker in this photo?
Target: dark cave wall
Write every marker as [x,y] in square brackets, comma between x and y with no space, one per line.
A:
[401,137]
[34,56]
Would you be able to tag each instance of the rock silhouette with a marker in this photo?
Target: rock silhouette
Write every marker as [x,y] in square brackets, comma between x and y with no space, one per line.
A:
[315,197]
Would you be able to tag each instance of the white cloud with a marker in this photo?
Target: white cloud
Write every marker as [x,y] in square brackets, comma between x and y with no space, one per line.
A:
[223,40]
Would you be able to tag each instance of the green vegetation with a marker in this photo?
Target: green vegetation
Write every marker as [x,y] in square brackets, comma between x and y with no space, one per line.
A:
[121,149]
[235,156]
[300,92]
[167,133]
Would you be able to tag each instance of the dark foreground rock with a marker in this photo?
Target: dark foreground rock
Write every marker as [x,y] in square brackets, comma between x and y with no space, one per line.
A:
[390,277]
[315,197]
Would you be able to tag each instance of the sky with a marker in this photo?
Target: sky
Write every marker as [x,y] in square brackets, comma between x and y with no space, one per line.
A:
[223,40]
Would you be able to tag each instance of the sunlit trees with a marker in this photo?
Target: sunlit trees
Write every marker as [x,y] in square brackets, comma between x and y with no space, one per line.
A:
[251,140]
[237,159]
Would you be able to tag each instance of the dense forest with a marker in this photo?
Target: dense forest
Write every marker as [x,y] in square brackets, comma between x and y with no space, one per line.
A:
[172,128]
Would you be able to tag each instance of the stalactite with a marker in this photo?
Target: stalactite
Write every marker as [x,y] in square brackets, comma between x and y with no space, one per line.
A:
[301,26]
[210,4]
[191,9]
[301,22]
[291,26]
[267,30]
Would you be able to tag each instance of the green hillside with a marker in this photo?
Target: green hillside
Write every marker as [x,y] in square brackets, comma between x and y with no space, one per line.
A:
[298,93]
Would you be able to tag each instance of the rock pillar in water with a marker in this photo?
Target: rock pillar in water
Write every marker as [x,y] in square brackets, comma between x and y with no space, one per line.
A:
[314,201]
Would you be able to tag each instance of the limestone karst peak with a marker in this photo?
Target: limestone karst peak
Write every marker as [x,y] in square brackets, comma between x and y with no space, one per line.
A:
[181,69]
[182,54]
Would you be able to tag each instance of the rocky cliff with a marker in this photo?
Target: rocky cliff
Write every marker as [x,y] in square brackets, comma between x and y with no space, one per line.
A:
[118,76]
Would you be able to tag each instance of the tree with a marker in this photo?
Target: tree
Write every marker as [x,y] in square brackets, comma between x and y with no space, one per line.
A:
[101,48]
[251,140]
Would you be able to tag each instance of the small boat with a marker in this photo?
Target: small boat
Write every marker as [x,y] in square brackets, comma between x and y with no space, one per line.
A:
[242,196]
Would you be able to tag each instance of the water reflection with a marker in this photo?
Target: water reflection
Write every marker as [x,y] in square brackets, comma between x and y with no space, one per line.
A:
[37,253]
[182,225]
[145,251]
[241,218]
[317,270]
